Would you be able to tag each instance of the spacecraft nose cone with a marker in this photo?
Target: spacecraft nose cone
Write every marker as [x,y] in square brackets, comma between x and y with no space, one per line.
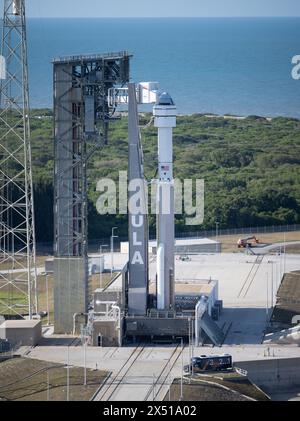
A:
[165,99]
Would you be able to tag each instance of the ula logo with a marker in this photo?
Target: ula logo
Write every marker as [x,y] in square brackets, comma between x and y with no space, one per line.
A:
[296,319]
[296,68]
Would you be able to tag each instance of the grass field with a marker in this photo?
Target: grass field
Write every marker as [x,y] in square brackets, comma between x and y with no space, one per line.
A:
[21,263]
[15,296]
[209,388]
[25,379]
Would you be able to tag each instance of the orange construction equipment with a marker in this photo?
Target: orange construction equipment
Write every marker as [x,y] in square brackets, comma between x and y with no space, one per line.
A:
[246,242]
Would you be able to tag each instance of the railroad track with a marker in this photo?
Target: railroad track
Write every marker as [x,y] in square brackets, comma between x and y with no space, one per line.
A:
[107,391]
[157,388]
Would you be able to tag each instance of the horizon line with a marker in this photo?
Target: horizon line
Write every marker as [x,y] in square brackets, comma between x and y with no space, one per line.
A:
[162,17]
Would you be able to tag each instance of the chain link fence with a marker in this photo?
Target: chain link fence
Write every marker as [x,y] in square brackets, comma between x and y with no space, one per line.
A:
[235,231]
[94,244]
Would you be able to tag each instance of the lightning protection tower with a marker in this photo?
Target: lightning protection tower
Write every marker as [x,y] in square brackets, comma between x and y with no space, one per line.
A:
[18,296]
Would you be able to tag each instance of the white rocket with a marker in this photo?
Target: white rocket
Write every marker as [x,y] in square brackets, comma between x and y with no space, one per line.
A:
[164,113]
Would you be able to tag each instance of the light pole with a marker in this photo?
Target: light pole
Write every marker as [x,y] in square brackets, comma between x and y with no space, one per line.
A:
[181,385]
[48,386]
[272,289]
[112,248]
[280,265]
[153,387]
[278,275]
[267,301]
[273,280]
[217,233]
[170,380]
[192,349]
[68,374]
[47,297]
[190,353]
[84,338]
[181,380]
[284,258]
[100,271]
[84,361]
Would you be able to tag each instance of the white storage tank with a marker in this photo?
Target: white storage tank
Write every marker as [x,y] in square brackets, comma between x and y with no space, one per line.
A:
[17,7]
[2,68]
[96,264]
[147,92]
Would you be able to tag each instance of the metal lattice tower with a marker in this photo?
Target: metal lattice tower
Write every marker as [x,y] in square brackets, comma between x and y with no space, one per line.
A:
[18,292]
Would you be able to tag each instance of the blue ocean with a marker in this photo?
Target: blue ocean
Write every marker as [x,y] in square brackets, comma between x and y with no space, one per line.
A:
[213,65]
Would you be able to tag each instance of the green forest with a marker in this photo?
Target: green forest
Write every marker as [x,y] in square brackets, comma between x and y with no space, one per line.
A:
[250,167]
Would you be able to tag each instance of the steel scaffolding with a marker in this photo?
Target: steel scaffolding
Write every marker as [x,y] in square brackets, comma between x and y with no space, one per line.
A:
[18,282]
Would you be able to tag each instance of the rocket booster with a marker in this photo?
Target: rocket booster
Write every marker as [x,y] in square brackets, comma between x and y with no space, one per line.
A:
[164,113]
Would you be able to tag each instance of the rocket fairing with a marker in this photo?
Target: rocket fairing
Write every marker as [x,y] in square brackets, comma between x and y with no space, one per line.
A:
[164,113]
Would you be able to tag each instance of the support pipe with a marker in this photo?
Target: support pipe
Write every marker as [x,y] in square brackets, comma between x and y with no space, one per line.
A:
[161,277]
[75,315]
[115,307]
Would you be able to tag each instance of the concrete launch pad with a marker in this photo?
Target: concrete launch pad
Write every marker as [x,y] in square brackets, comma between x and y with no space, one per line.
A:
[183,246]
[242,284]
[135,368]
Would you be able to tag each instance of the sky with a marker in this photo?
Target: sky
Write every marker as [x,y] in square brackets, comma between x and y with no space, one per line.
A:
[162,8]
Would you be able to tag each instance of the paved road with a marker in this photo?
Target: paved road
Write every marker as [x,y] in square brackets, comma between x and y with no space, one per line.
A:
[247,286]
[275,246]
[293,395]
[145,376]
[135,369]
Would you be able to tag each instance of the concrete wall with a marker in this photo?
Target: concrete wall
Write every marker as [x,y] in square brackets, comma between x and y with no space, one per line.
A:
[27,336]
[70,291]
[156,327]
[199,248]
[100,296]
[273,374]
[107,330]
[49,265]
[180,249]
